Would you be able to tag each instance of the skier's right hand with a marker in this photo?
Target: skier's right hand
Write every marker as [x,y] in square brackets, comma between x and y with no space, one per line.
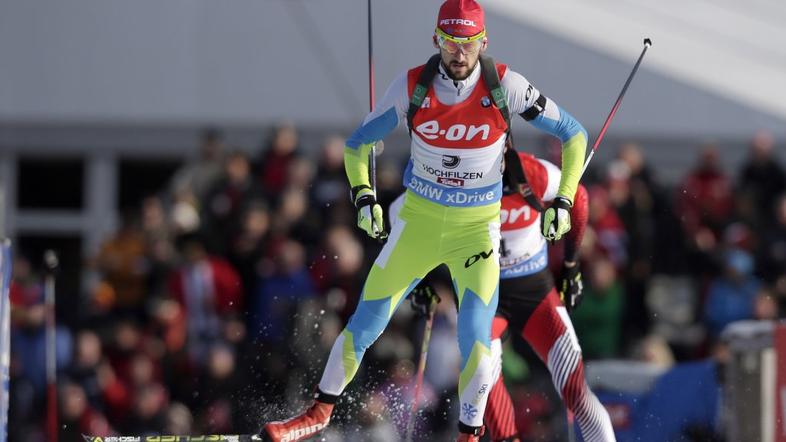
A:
[424,299]
[571,286]
[370,217]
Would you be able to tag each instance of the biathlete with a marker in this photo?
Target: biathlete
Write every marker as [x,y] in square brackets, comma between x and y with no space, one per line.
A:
[457,108]
[531,305]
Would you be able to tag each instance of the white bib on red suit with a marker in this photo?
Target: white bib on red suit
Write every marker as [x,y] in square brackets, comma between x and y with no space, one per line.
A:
[523,248]
[457,148]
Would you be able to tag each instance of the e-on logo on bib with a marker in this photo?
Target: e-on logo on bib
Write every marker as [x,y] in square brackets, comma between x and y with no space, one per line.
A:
[430,130]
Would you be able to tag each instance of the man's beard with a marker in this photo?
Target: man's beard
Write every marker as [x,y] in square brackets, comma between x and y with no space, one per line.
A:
[455,77]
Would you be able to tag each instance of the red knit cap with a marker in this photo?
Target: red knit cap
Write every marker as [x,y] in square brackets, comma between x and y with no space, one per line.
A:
[460,18]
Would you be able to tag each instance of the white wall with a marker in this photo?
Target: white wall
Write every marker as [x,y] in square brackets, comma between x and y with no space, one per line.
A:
[257,61]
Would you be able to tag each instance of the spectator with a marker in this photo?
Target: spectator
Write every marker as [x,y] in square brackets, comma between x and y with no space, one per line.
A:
[198,175]
[638,204]
[184,217]
[634,199]
[762,178]
[771,256]
[273,169]
[704,201]
[330,189]
[731,297]
[148,414]
[83,371]
[336,268]
[123,264]
[389,182]
[598,318]
[252,244]
[295,219]
[159,248]
[608,229]
[142,371]
[126,341]
[765,306]
[300,174]
[226,201]
[330,185]
[631,154]
[218,405]
[277,294]
[178,419]
[208,290]
[28,332]
[77,417]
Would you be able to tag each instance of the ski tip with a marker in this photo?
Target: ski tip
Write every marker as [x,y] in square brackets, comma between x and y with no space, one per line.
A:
[647,42]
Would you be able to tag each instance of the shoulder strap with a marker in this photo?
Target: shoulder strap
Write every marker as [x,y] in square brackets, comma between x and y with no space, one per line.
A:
[421,88]
[514,176]
[488,70]
[516,180]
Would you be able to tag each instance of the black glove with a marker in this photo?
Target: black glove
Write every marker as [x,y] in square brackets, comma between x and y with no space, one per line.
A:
[571,287]
[424,299]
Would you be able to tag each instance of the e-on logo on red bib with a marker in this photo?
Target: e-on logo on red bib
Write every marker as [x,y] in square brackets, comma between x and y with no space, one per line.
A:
[516,213]
[430,130]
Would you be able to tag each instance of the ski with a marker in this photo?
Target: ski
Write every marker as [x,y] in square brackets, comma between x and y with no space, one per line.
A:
[173,438]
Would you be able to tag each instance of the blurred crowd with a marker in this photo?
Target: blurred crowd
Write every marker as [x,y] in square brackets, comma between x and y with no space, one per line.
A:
[214,305]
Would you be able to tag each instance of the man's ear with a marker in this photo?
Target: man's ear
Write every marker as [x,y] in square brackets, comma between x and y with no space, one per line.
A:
[434,41]
[485,44]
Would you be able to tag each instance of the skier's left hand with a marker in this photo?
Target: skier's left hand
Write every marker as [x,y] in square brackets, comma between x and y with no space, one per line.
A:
[424,299]
[571,286]
[555,221]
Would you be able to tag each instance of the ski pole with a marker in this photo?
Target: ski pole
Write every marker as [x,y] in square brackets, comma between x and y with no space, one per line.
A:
[51,264]
[372,156]
[370,62]
[647,44]
[421,369]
